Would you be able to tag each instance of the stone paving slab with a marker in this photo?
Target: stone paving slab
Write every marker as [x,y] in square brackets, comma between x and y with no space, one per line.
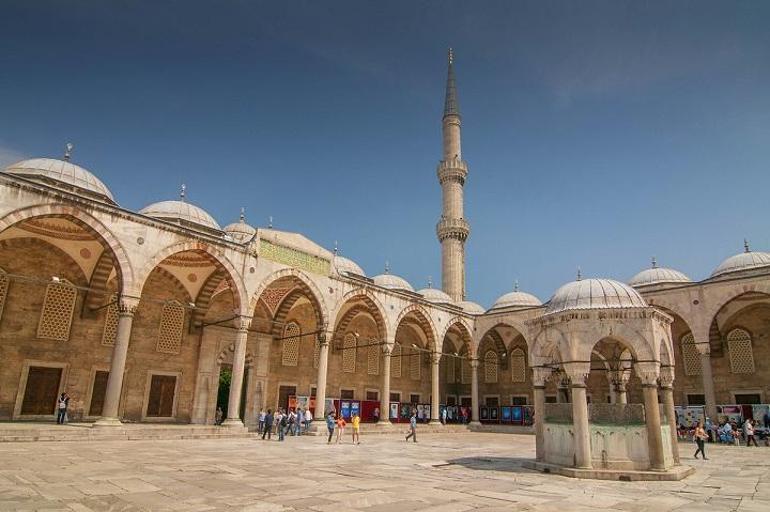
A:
[455,472]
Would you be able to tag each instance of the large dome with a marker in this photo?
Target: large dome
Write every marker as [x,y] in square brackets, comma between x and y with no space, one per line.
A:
[436,296]
[472,307]
[516,298]
[182,213]
[594,294]
[658,275]
[344,265]
[747,260]
[392,282]
[62,174]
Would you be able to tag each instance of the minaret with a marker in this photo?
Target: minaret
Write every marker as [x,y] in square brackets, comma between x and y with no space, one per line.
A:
[452,229]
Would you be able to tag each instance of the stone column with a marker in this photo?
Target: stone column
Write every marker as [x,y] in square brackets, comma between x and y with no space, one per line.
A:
[475,391]
[126,310]
[648,373]
[621,385]
[239,365]
[435,359]
[667,389]
[323,364]
[708,381]
[385,387]
[577,373]
[539,378]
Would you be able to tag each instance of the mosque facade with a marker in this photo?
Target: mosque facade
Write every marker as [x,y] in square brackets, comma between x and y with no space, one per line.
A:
[136,313]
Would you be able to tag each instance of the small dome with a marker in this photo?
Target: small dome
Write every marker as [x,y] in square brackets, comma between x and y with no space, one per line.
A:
[471,307]
[63,174]
[517,298]
[658,275]
[181,213]
[344,265]
[747,260]
[436,296]
[240,231]
[392,282]
[594,294]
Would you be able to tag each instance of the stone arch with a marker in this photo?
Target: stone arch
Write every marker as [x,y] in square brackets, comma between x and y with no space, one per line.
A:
[732,293]
[109,241]
[27,243]
[466,331]
[206,295]
[219,259]
[99,280]
[423,320]
[370,304]
[303,282]
[228,352]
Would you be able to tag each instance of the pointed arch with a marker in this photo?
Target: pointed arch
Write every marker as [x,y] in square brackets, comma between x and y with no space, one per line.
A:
[301,281]
[424,322]
[355,302]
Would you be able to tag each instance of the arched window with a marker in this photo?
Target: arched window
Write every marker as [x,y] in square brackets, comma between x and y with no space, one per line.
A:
[56,316]
[741,353]
[3,290]
[290,347]
[690,355]
[170,328]
[490,367]
[518,365]
[414,365]
[349,353]
[373,360]
[450,369]
[395,360]
[111,323]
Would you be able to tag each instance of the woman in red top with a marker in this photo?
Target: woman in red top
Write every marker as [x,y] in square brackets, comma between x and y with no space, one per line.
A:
[340,427]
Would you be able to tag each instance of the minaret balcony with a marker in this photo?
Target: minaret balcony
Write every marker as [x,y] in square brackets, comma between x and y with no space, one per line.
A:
[454,169]
[452,228]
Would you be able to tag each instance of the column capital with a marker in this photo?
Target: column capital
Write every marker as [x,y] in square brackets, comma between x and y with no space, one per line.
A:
[242,323]
[648,372]
[324,336]
[474,362]
[667,376]
[435,358]
[540,375]
[127,305]
[577,372]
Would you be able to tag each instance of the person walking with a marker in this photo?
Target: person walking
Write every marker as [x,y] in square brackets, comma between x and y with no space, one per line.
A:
[291,418]
[298,421]
[267,427]
[376,415]
[330,427]
[356,423]
[341,423]
[308,419]
[280,421]
[61,408]
[700,440]
[261,418]
[218,416]
[443,416]
[748,429]
[412,427]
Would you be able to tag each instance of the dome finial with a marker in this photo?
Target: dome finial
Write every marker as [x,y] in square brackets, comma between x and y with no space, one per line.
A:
[336,248]
[270,222]
[242,217]
[451,56]
[182,191]
[746,245]
[654,262]
[516,285]
[387,267]
[430,282]
[579,275]
[68,151]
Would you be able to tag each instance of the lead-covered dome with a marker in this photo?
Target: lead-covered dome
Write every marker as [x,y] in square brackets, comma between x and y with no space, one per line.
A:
[62,174]
[182,213]
[517,299]
[240,231]
[393,282]
[435,295]
[594,294]
[747,260]
[347,266]
[471,307]
[658,275]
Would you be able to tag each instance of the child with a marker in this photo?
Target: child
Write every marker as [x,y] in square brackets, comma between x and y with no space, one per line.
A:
[340,427]
[356,421]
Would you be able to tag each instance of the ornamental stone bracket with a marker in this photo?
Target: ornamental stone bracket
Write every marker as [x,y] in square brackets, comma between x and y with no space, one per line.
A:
[577,372]
[452,228]
[666,376]
[648,372]
[127,305]
[540,376]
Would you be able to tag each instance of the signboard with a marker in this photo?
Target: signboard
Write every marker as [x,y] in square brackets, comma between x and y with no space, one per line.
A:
[517,414]
[394,411]
[493,413]
[355,409]
[690,415]
[758,412]
[484,413]
[506,414]
[731,412]
[345,409]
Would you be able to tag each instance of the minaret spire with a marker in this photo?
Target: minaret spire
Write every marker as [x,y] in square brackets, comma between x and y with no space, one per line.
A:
[452,229]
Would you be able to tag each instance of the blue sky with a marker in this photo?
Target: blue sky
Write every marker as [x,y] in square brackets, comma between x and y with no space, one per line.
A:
[598,134]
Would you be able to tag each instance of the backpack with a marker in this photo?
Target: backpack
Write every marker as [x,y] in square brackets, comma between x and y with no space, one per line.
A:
[283,421]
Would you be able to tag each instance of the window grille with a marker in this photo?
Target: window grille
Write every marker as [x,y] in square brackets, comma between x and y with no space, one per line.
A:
[741,353]
[110,332]
[56,316]
[349,353]
[395,360]
[690,356]
[518,366]
[290,346]
[490,367]
[170,328]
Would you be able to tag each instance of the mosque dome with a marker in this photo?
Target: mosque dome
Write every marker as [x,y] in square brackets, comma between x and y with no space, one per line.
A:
[471,307]
[62,174]
[393,282]
[181,212]
[344,265]
[594,294]
[658,275]
[240,231]
[747,260]
[517,298]
[435,295]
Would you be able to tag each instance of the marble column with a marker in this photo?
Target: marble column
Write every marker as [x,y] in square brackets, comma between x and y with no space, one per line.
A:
[435,359]
[577,373]
[385,386]
[239,366]
[126,310]
[667,390]
[323,365]
[539,378]
[648,373]
[708,382]
[474,362]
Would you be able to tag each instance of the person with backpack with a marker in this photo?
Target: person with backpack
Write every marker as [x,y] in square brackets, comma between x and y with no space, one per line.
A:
[61,408]
[330,427]
[280,422]
[412,427]
[268,426]
[290,421]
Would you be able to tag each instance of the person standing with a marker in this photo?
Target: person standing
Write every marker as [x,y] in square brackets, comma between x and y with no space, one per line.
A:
[218,416]
[268,425]
[356,423]
[280,424]
[299,419]
[341,423]
[61,408]
[330,427]
[748,428]
[290,419]
[700,440]
[308,419]
[261,426]
[412,427]
[376,414]
[443,416]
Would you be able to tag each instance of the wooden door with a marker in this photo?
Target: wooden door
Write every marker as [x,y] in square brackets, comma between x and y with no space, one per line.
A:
[160,403]
[98,393]
[284,392]
[42,391]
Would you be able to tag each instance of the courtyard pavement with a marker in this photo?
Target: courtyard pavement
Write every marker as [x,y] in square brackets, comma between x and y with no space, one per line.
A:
[442,473]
